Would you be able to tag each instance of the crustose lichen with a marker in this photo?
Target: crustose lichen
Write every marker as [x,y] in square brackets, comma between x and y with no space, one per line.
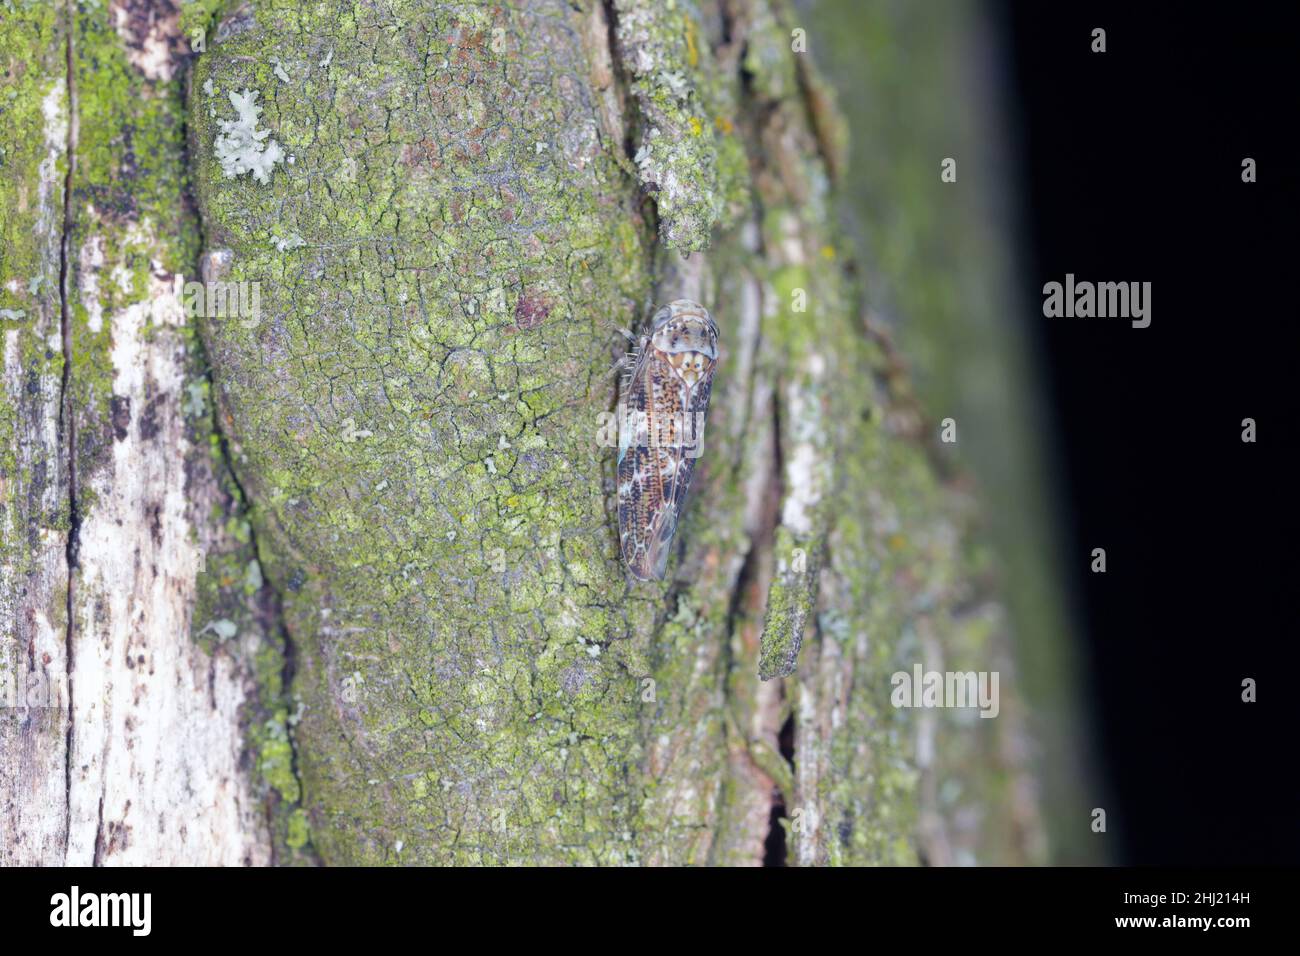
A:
[239,146]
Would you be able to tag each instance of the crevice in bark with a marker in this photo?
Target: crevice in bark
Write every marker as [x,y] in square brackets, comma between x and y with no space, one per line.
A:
[751,584]
[99,833]
[774,847]
[67,426]
[746,580]
[269,609]
[749,591]
[633,122]
[269,601]
[269,605]
[620,76]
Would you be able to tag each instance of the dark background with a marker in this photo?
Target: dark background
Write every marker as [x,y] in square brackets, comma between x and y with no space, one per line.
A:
[1132,161]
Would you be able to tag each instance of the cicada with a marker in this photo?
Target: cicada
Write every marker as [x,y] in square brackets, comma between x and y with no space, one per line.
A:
[664,404]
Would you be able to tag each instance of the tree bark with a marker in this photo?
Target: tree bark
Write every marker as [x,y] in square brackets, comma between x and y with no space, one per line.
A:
[338,580]
[122,739]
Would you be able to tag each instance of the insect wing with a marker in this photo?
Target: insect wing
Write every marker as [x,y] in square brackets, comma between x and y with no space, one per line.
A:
[660,437]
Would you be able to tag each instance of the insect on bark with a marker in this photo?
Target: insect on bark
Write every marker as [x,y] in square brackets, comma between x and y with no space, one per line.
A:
[665,400]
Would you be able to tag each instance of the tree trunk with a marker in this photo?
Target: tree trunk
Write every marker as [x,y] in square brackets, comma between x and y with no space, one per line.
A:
[334,577]
[122,737]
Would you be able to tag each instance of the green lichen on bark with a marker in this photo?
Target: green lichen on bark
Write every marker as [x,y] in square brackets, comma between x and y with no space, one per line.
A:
[33,137]
[415,418]
[444,260]
[199,17]
[105,488]
[408,509]
[791,601]
[128,229]
[687,156]
[34,515]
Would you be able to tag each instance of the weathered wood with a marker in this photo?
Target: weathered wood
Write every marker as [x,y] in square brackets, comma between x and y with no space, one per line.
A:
[110,486]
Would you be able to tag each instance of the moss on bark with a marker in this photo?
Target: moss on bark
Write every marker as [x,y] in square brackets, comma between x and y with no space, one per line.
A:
[445,260]
[414,542]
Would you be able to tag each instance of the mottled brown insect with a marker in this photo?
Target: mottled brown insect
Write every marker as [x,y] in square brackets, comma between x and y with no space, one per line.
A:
[661,431]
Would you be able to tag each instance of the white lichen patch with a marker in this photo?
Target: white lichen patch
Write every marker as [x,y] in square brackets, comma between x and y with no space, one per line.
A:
[195,404]
[243,148]
[224,629]
[291,241]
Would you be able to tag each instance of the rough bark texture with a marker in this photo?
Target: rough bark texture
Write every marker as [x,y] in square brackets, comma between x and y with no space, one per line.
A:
[122,737]
[408,484]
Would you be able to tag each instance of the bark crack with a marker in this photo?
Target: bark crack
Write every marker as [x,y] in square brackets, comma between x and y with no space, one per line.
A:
[99,834]
[622,91]
[633,123]
[774,846]
[775,850]
[269,611]
[67,419]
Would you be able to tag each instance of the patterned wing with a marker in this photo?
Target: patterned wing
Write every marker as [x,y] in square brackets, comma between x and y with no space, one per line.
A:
[660,438]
